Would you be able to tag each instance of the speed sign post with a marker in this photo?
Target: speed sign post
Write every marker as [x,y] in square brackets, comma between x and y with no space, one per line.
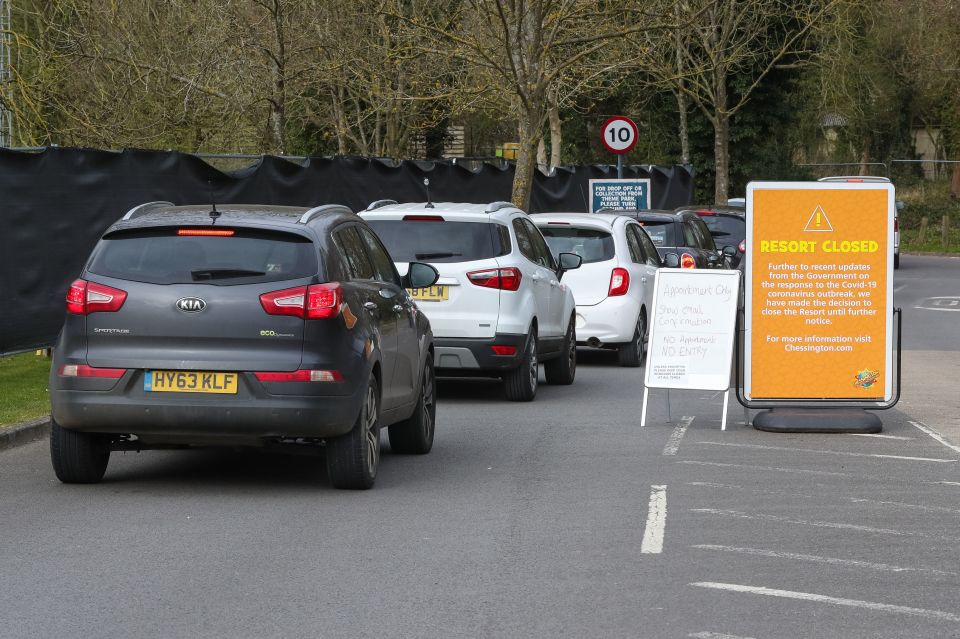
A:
[619,134]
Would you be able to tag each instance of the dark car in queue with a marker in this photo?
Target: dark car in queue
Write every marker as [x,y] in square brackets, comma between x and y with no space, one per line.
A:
[727,226]
[245,326]
[681,238]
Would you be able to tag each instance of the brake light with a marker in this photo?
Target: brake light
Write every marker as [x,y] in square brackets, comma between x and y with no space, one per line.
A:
[85,297]
[559,223]
[423,218]
[742,247]
[619,282]
[82,370]
[206,232]
[704,212]
[896,224]
[687,261]
[499,349]
[300,376]
[317,301]
[507,279]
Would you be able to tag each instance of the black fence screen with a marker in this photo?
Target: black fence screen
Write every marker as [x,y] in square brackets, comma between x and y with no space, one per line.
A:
[55,204]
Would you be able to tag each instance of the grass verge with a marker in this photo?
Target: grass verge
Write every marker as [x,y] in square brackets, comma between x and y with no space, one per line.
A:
[23,388]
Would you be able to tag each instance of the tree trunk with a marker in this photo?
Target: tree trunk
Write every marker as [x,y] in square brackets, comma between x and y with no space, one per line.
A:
[721,152]
[955,182]
[684,130]
[526,161]
[556,135]
[865,155]
[278,107]
[542,156]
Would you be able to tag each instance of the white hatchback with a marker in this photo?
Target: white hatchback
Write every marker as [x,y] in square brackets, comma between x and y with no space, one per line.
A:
[499,307]
[614,286]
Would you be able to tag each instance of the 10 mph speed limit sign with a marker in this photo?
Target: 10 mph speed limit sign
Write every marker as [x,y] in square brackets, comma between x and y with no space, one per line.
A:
[619,134]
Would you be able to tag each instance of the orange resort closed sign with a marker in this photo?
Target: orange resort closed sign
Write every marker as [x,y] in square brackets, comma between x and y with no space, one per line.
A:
[819,291]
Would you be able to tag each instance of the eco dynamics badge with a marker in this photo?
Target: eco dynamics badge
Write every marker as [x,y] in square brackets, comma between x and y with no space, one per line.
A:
[819,291]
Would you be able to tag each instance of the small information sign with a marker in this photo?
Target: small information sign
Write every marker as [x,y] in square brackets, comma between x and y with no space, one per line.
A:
[619,195]
[819,294]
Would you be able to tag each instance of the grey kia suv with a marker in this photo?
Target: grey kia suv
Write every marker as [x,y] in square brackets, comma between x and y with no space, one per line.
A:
[192,326]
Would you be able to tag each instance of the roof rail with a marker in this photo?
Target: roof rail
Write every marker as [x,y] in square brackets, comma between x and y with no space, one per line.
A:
[326,208]
[493,207]
[146,207]
[379,203]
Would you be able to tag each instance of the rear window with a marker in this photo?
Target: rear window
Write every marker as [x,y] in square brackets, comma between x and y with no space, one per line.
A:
[661,232]
[726,230]
[160,256]
[592,245]
[443,242]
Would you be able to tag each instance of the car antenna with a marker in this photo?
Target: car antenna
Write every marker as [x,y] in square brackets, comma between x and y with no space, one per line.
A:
[583,195]
[214,213]
[426,183]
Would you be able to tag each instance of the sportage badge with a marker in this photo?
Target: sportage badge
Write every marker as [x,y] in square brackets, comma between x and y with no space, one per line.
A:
[191,304]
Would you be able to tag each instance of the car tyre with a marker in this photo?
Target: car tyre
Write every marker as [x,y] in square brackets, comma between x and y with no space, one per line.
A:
[414,435]
[520,384]
[78,458]
[633,352]
[896,260]
[562,370]
[352,459]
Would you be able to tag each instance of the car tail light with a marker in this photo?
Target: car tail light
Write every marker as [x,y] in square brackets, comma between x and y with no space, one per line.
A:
[206,232]
[86,297]
[560,223]
[507,279]
[742,247]
[317,301]
[619,282]
[687,261]
[503,349]
[896,224]
[423,218]
[300,376]
[82,370]
[704,212]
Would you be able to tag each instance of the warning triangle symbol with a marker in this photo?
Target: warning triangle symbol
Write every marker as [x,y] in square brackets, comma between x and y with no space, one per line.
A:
[818,221]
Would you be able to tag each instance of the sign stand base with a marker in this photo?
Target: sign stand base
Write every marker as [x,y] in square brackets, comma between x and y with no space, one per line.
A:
[817,420]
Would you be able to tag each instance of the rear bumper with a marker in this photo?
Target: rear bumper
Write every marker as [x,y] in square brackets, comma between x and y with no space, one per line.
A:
[613,321]
[171,418]
[476,354]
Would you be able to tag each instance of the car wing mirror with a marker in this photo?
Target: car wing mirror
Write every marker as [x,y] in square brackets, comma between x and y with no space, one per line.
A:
[420,275]
[729,251]
[671,260]
[568,262]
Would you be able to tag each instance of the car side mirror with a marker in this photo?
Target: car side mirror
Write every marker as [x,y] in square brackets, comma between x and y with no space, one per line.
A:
[671,260]
[420,275]
[568,262]
[729,251]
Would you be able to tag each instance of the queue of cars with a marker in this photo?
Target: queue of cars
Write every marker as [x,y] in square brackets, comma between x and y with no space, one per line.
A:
[258,325]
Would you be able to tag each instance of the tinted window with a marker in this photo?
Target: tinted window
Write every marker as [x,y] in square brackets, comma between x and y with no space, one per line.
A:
[726,230]
[690,235]
[382,264]
[351,247]
[540,248]
[704,239]
[523,240]
[593,245]
[661,232]
[649,250]
[160,256]
[409,241]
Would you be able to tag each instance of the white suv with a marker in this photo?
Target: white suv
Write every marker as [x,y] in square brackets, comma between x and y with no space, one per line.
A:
[614,288]
[499,307]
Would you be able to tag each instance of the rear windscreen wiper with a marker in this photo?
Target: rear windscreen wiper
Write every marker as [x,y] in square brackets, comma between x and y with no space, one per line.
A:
[223,273]
[436,256]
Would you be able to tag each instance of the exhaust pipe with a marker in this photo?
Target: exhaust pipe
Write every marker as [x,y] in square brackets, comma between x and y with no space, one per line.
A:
[593,342]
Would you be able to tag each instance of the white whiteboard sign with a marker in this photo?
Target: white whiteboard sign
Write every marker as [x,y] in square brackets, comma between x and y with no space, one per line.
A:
[692,329]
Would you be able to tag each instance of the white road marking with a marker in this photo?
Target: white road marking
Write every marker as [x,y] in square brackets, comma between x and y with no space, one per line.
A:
[803,471]
[656,522]
[819,524]
[906,439]
[836,601]
[829,452]
[899,288]
[715,635]
[674,443]
[936,436]
[818,559]
[945,483]
[900,504]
